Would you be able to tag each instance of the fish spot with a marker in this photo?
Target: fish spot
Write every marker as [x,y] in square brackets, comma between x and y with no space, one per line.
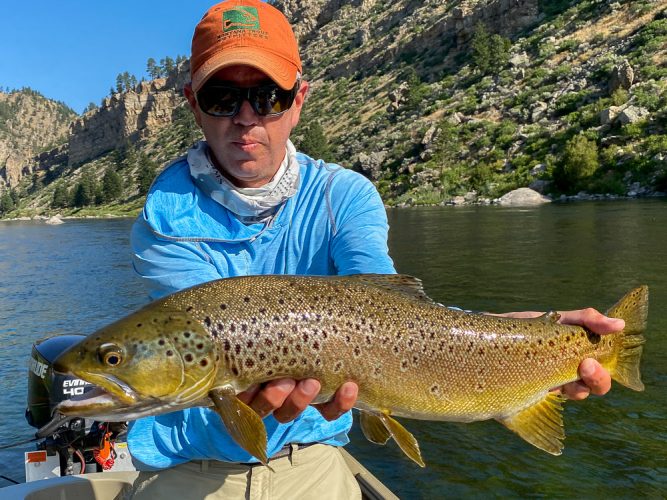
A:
[223,306]
[227,346]
[593,338]
[405,364]
[435,390]
[232,328]
[187,335]
[235,371]
[318,361]
[249,363]
[567,338]
[203,362]
[262,310]
[357,351]
[139,325]
[481,351]
[244,328]
[188,358]
[338,366]
[207,321]
[552,343]
[250,344]
[316,345]
[292,362]
[246,299]
[269,373]
[161,342]
[281,301]
[169,353]
[262,356]
[268,342]
[479,387]
[237,349]
[285,351]
[275,360]
[200,346]
[188,309]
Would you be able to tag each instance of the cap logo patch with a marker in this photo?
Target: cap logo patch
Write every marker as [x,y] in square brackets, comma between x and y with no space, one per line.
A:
[240,18]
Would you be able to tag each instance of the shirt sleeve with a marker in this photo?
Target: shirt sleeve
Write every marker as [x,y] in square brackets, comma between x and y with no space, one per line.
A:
[359,226]
[168,266]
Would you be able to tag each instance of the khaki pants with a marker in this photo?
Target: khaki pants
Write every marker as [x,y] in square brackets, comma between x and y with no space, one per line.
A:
[317,472]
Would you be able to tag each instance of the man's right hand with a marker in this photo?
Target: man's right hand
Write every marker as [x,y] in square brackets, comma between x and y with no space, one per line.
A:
[287,398]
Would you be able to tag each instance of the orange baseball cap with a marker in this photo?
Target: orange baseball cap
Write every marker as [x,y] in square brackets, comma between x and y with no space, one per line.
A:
[245,32]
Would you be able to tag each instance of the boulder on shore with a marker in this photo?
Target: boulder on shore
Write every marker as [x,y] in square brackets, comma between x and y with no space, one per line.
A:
[55,220]
[523,197]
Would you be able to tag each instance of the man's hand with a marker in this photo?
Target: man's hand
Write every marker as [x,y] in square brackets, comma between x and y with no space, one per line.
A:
[594,379]
[286,398]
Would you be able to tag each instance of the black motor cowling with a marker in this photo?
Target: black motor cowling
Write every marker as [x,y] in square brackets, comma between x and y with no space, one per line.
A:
[45,388]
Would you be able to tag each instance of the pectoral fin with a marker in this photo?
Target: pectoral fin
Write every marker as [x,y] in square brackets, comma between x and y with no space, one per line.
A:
[243,424]
[371,426]
[541,424]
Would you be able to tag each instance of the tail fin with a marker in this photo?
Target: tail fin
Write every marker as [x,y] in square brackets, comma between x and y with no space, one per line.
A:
[633,309]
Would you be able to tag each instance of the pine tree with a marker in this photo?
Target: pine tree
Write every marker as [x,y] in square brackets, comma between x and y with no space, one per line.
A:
[314,143]
[6,203]
[112,186]
[60,197]
[84,192]
[146,173]
[152,68]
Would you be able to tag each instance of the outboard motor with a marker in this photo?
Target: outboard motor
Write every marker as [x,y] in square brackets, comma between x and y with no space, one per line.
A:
[94,445]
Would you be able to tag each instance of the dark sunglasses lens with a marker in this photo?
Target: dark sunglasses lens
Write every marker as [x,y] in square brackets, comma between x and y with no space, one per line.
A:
[219,101]
[272,100]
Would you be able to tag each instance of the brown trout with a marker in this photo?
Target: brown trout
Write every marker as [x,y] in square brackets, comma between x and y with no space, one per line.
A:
[410,356]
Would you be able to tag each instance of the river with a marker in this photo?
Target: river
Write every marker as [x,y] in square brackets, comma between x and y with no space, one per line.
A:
[77,277]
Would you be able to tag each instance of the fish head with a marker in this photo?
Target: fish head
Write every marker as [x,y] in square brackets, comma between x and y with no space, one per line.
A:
[151,359]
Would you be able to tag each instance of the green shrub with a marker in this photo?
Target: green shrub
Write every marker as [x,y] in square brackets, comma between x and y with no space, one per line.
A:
[579,162]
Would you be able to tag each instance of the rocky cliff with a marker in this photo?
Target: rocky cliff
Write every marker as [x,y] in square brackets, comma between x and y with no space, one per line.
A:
[29,125]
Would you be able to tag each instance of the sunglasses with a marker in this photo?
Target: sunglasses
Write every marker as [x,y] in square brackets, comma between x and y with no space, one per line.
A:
[225,100]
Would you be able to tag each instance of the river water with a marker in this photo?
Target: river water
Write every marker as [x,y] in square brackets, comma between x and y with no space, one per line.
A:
[76,277]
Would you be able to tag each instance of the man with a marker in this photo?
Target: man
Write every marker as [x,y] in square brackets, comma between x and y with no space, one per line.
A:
[245,202]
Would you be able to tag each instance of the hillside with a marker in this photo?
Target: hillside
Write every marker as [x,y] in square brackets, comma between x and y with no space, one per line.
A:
[435,101]
[29,125]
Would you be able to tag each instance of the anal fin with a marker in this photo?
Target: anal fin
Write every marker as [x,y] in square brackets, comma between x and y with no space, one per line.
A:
[242,423]
[540,424]
[373,428]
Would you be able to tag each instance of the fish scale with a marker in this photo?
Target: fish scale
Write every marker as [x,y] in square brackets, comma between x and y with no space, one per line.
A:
[409,356]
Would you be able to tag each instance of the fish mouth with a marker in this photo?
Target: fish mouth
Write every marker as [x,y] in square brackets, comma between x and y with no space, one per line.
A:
[108,387]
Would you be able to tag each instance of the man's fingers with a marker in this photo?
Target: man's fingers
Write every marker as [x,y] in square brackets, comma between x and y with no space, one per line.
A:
[303,394]
[343,401]
[596,378]
[575,390]
[592,319]
[272,396]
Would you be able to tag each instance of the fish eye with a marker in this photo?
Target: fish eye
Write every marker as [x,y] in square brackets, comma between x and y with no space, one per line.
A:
[110,354]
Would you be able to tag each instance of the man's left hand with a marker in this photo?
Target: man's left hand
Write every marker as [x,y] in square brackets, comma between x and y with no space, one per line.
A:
[594,379]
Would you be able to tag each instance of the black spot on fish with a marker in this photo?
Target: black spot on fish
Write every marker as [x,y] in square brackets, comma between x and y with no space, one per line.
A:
[207,321]
[237,349]
[232,328]
[188,309]
[203,362]
[269,373]
[249,363]
[338,366]
[316,345]
[285,351]
[552,343]
[435,389]
[223,306]
[262,310]
[187,335]
[481,351]
[250,344]
[268,342]
[200,346]
[262,356]
[291,362]
[281,335]
[246,299]
[169,353]
[318,362]
[188,357]
[227,345]
[357,351]
[161,342]
[215,333]
[281,301]
[235,371]
[567,338]
[275,360]
[139,325]
[593,338]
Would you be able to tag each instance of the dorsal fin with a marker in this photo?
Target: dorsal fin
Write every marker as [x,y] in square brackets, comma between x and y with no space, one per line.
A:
[399,283]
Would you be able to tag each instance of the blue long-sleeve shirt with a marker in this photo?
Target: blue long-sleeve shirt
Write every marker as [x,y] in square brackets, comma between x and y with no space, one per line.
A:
[335,224]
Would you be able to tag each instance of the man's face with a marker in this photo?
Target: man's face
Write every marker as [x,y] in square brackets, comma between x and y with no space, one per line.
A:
[247,148]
